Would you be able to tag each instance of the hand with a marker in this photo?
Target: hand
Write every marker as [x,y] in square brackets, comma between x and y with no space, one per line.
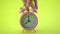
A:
[22,10]
[34,9]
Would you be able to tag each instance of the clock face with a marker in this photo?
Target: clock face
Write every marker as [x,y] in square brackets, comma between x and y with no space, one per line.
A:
[29,21]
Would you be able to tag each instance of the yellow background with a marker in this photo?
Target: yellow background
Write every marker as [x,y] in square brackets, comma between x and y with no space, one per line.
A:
[48,17]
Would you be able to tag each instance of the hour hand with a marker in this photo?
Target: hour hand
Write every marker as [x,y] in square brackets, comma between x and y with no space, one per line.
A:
[25,22]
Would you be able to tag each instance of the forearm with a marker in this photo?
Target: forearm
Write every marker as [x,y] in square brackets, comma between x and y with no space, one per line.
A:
[35,2]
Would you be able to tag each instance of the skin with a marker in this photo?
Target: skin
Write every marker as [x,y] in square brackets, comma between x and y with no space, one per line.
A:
[29,3]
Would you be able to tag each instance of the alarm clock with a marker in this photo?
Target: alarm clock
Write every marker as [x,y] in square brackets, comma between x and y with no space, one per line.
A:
[28,21]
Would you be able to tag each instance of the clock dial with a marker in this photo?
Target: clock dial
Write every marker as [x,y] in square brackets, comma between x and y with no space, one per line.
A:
[28,20]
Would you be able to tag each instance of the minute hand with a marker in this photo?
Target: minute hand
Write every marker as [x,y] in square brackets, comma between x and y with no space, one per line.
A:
[28,19]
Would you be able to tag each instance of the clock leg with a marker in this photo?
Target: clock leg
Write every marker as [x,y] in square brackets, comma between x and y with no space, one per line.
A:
[29,31]
[34,30]
[23,30]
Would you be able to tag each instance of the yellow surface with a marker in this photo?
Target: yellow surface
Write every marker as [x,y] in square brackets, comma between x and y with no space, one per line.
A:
[48,17]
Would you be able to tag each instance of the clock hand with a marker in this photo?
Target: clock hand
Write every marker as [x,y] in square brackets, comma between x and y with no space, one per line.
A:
[28,19]
[25,22]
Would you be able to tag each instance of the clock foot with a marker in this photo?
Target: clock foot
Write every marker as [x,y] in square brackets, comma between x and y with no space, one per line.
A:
[27,31]
[23,30]
[34,30]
